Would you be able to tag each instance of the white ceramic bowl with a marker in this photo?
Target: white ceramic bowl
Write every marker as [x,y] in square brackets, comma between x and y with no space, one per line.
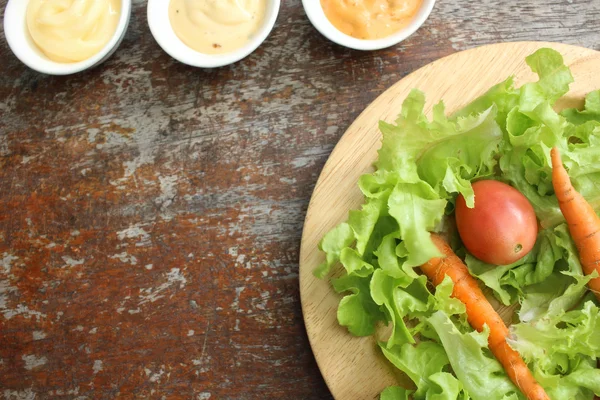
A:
[317,17]
[160,26]
[23,46]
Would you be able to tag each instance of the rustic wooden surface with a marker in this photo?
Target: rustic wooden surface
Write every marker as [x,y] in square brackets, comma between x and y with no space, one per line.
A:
[151,213]
[354,368]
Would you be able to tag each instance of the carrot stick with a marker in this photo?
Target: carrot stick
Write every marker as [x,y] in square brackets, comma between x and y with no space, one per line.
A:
[479,313]
[583,221]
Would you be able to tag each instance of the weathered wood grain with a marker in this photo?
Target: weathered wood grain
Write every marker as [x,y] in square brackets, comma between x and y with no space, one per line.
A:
[151,213]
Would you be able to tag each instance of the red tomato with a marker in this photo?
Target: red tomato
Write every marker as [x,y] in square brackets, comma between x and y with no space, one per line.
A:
[502,227]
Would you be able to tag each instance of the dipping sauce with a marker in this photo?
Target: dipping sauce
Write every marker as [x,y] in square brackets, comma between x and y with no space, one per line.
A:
[370,19]
[216,26]
[69,31]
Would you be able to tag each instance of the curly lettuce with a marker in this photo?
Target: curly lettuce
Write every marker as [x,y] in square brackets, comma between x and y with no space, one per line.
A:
[423,165]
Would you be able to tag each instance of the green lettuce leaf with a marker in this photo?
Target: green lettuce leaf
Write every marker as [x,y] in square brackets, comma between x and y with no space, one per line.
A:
[357,311]
[533,129]
[503,95]
[365,222]
[418,210]
[395,393]
[560,292]
[353,264]
[419,362]
[572,333]
[579,381]
[555,78]
[591,111]
[444,386]
[509,281]
[444,300]
[563,347]
[585,380]
[332,245]
[385,291]
[563,289]
[451,163]
[481,375]
[582,160]
[391,257]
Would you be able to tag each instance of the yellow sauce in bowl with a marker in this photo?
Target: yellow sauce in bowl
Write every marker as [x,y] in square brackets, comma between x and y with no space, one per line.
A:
[370,19]
[69,31]
[216,26]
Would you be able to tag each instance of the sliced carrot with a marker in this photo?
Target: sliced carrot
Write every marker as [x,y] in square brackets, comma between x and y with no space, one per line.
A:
[479,313]
[583,221]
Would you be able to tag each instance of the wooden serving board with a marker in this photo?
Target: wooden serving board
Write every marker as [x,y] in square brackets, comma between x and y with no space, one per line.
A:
[354,368]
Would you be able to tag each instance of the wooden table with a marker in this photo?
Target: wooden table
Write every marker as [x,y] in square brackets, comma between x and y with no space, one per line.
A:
[151,213]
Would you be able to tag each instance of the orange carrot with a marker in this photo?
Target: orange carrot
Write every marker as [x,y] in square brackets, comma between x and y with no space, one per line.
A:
[583,221]
[479,313]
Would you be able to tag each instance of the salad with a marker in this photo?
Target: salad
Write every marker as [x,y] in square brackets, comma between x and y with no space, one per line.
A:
[468,200]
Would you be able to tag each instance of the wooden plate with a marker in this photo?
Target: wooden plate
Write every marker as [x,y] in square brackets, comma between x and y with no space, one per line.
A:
[354,368]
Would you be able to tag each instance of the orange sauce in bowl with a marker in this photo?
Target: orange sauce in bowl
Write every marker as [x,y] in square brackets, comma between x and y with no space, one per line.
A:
[370,19]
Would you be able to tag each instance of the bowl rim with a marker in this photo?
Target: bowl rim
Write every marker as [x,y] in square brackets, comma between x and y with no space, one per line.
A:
[160,26]
[23,47]
[317,17]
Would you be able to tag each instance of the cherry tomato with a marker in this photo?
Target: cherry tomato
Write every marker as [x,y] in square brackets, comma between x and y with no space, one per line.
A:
[502,227]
